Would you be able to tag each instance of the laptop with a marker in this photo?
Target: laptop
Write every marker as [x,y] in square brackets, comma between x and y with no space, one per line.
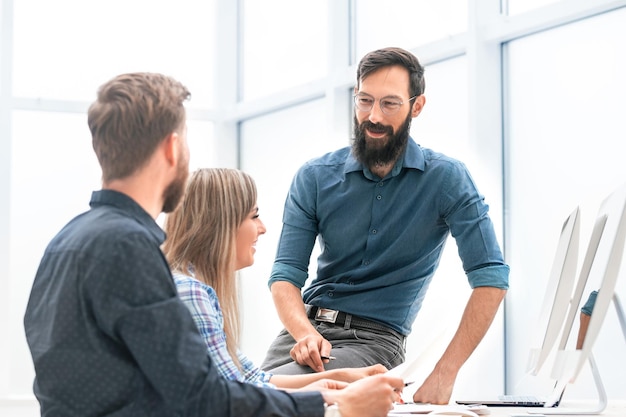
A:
[511,401]
[553,400]
[552,318]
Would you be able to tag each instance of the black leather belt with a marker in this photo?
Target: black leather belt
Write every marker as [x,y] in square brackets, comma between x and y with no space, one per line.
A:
[347,321]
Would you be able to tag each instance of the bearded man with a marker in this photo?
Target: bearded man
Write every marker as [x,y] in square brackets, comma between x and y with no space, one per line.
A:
[381,210]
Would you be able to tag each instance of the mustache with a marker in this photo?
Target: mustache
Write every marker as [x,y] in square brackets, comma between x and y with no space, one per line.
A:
[376,127]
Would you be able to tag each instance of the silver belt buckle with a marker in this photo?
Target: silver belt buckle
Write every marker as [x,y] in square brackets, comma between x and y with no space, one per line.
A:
[326,314]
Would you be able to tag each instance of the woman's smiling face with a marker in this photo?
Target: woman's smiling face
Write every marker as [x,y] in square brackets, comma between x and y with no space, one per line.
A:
[247,235]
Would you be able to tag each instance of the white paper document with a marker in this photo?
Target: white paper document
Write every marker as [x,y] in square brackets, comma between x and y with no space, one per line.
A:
[409,409]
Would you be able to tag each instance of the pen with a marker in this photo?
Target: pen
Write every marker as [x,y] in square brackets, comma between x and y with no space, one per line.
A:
[406,384]
[400,400]
[330,358]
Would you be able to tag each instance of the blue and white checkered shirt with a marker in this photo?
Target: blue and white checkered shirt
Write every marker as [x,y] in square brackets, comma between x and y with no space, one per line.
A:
[204,306]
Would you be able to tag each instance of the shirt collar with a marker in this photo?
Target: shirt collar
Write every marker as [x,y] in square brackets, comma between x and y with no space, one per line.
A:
[130,207]
[413,157]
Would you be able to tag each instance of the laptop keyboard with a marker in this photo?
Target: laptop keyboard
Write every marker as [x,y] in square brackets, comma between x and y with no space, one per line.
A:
[521,399]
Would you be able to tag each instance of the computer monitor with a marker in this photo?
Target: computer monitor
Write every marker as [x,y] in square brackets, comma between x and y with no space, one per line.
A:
[555,305]
[558,294]
[592,248]
[609,251]
[601,265]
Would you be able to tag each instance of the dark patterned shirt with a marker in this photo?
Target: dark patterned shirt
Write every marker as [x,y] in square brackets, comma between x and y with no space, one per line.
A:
[109,336]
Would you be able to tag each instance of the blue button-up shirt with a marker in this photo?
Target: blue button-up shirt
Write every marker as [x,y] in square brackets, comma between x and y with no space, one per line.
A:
[382,239]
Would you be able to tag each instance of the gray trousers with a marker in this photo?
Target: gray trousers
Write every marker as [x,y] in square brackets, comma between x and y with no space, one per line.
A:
[352,348]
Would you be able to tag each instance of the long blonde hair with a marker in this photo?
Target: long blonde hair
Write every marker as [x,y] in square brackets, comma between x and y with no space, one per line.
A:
[202,231]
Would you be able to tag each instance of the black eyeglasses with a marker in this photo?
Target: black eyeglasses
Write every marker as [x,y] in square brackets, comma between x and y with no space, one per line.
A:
[388,105]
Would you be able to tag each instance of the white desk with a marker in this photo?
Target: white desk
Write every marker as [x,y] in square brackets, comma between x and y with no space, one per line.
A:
[615,408]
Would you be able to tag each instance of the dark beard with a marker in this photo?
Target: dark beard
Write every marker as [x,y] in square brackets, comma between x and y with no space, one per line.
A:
[371,152]
[175,190]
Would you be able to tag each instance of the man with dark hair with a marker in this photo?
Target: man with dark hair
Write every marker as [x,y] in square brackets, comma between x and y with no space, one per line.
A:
[382,210]
[107,331]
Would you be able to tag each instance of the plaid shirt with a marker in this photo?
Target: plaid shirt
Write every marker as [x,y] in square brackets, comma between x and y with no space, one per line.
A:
[204,306]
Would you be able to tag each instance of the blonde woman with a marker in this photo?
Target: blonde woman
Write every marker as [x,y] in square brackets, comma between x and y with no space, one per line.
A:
[210,236]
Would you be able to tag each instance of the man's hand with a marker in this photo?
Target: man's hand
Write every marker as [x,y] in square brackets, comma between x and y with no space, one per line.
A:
[436,389]
[309,351]
[310,345]
[372,396]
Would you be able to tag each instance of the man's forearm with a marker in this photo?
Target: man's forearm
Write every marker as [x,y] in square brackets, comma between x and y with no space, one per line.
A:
[290,307]
[477,318]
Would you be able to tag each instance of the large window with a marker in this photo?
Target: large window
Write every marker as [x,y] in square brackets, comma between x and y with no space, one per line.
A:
[285,44]
[406,23]
[521,6]
[64,49]
[564,149]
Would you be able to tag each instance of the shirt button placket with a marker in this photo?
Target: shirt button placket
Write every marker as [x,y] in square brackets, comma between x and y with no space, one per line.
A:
[374,230]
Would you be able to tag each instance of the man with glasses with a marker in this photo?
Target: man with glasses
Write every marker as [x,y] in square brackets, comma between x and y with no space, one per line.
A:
[382,210]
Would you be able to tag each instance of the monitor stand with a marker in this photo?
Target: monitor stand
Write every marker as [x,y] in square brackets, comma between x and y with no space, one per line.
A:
[602,397]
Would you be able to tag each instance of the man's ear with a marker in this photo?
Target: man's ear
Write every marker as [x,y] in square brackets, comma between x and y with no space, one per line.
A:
[418,105]
[171,148]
